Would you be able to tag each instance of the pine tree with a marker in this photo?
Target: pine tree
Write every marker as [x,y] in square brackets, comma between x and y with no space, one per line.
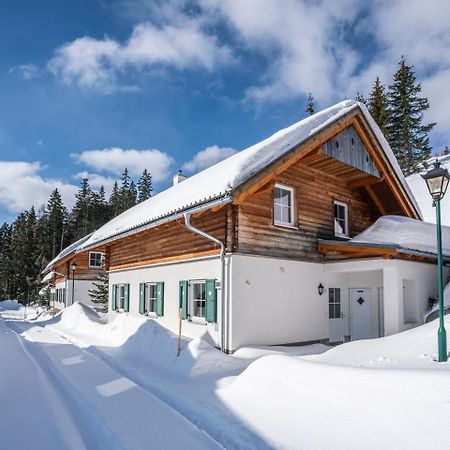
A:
[114,201]
[360,98]
[127,192]
[81,221]
[99,294]
[310,105]
[378,105]
[5,261]
[144,186]
[54,219]
[407,134]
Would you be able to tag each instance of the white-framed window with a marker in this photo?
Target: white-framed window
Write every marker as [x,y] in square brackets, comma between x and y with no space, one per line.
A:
[120,296]
[340,219]
[197,299]
[283,205]
[150,298]
[334,303]
[96,259]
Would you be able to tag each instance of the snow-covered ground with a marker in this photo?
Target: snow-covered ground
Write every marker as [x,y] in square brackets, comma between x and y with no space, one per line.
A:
[120,384]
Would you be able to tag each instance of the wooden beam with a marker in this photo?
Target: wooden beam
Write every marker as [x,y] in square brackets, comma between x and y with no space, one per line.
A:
[149,262]
[365,181]
[375,151]
[290,158]
[375,199]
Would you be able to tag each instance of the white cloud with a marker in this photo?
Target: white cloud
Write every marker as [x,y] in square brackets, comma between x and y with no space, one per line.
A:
[304,42]
[96,180]
[208,157]
[96,64]
[21,186]
[27,71]
[113,160]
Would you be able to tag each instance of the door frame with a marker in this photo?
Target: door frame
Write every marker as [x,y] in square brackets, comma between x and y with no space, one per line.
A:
[350,308]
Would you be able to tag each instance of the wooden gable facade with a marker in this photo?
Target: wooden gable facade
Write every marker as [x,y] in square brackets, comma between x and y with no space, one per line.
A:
[343,163]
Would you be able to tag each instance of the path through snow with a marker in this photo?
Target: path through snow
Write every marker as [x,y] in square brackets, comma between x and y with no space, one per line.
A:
[77,401]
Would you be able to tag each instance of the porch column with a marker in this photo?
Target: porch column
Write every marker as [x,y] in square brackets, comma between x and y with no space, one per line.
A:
[393,297]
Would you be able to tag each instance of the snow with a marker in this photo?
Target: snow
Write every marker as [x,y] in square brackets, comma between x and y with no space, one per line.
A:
[66,252]
[420,191]
[374,394]
[220,180]
[404,233]
[48,277]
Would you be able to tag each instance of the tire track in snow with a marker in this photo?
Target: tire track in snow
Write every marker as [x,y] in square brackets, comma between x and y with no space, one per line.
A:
[92,428]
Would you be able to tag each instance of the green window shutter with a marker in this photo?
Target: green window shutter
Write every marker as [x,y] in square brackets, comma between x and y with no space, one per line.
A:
[183,298]
[211,301]
[113,303]
[141,298]
[160,299]
[126,300]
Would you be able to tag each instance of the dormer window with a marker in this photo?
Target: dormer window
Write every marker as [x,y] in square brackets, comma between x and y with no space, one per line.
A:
[283,206]
[340,219]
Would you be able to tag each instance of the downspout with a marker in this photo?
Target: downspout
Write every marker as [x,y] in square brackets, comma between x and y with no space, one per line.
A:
[189,226]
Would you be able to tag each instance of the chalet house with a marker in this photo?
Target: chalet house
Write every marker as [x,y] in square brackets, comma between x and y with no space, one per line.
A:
[70,275]
[275,244]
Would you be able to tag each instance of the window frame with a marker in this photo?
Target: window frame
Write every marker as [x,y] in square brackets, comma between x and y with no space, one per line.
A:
[102,255]
[120,299]
[346,221]
[201,319]
[333,304]
[291,190]
[147,298]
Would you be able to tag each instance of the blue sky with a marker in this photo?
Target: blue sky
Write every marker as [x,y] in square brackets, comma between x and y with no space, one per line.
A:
[90,86]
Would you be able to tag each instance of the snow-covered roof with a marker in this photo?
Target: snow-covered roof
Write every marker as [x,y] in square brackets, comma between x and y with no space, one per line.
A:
[66,252]
[220,180]
[48,277]
[420,191]
[404,233]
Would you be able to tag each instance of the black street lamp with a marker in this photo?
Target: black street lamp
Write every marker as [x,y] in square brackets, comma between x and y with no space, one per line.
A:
[73,267]
[437,180]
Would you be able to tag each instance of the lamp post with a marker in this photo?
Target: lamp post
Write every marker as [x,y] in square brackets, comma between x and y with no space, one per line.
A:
[437,180]
[73,267]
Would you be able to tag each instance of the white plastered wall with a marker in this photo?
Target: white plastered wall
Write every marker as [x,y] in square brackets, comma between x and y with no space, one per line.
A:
[171,274]
[81,293]
[276,301]
[397,277]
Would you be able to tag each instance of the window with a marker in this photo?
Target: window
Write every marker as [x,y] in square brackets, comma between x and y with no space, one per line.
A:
[150,298]
[197,299]
[96,259]
[334,303]
[340,219]
[283,206]
[120,297]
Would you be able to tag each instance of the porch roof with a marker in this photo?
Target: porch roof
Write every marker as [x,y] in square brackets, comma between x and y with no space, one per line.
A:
[393,236]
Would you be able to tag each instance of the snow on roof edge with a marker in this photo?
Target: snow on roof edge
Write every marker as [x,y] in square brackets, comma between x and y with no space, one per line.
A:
[269,151]
[67,251]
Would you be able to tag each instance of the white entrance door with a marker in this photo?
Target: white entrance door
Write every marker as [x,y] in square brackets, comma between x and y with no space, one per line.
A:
[336,321]
[360,313]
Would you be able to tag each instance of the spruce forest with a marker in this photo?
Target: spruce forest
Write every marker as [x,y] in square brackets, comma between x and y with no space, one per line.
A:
[38,235]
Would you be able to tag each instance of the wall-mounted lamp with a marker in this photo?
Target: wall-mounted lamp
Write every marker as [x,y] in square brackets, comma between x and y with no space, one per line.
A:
[320,289]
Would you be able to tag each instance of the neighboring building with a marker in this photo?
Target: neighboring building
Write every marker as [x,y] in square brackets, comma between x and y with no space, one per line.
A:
[68,285]
[258,249]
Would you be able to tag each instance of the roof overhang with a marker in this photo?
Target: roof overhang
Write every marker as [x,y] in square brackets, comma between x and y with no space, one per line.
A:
[355,250]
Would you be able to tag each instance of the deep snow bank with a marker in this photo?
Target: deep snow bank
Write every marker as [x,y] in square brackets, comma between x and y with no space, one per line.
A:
[293,403]
[415,348]
[9,305]
[139,341]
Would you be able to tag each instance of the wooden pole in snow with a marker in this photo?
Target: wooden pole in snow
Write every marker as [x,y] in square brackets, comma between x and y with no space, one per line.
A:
[180,321]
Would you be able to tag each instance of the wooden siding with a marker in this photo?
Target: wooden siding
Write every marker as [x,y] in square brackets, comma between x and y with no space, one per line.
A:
[169,242]
[83,271]
[314,195]
[348,147]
